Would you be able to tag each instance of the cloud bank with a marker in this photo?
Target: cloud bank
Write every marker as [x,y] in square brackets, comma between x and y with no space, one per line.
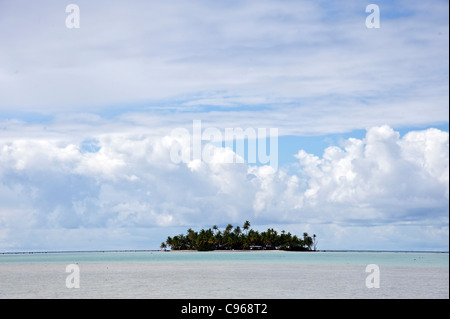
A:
[305,67]
[85,115]
[382,186]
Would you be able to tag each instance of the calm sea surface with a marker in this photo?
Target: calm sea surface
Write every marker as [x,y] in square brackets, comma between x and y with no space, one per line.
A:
[225,274]
[405,259]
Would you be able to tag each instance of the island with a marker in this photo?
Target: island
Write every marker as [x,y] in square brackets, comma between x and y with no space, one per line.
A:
[237,238]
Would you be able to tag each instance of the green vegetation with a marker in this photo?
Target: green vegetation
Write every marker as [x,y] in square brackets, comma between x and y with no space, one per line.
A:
[237,238]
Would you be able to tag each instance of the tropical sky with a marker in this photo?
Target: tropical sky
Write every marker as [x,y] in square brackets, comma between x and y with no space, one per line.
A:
[89,115]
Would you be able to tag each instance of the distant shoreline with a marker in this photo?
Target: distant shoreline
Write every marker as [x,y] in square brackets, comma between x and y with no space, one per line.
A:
[77,251]
[228,250]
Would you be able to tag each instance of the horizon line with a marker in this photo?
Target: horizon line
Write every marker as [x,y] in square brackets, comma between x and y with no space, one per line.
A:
[169,250]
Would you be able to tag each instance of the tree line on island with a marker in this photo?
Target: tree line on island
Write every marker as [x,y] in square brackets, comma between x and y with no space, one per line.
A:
[240,239]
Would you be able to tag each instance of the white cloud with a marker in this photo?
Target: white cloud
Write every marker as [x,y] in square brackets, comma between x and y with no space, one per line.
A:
[382,178]
[130,182]
[300,66]
[85,117]
[433,159]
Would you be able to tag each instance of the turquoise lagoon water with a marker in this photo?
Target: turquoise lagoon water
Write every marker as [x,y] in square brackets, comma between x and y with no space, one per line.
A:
[225,274]
[397,259]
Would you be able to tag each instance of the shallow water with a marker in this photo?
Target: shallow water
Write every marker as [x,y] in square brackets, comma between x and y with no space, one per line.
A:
[268,257]
[225,275]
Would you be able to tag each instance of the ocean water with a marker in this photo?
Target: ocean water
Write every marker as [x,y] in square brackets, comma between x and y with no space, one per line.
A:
[226,274]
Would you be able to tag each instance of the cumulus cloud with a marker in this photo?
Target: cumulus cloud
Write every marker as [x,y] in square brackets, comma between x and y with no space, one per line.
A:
[129,182]
[381,178]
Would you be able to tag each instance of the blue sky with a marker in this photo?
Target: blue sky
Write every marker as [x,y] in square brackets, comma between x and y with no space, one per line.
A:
[87,118]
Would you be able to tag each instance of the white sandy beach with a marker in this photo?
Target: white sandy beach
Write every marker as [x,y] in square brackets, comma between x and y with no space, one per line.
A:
[195,280]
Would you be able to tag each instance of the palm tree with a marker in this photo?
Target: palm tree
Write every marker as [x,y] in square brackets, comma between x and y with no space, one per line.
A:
[192,238]
[315,241]
[246,226]
[228,228]
[227,239]
[218,239]
[307,240]
[234,239]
